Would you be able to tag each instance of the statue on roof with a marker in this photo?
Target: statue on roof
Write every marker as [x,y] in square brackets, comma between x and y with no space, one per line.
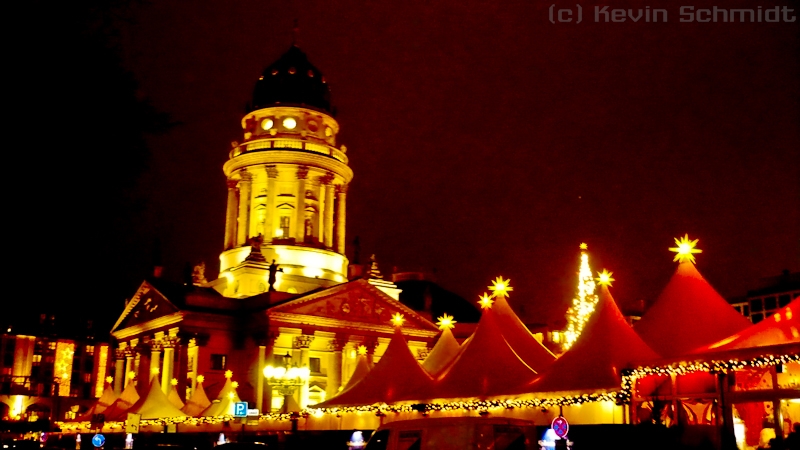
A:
[273,275]
[199,274]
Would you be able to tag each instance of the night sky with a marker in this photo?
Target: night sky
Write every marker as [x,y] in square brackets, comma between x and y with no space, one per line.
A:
[487,141]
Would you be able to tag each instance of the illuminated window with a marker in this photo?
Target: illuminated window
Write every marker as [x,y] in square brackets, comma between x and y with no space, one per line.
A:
[51,345]
[219,362]
[266,124]
[284,226]
[289,123]
[328,131]
[90,349]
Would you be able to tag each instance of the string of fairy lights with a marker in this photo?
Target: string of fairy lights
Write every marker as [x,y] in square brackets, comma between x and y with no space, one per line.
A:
[685,250]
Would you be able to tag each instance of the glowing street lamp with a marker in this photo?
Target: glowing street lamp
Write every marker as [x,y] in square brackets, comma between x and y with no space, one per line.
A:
[286,378]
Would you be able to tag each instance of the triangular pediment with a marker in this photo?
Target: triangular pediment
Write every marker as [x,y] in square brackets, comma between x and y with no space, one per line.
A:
[357,303]
[147,307]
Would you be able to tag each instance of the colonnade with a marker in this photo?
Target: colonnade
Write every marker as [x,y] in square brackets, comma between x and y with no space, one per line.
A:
[327,224]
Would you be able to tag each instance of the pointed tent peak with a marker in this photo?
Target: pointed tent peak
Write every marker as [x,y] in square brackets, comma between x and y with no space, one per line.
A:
[606,346]
[687,314]
[199,400]
[500,287]
[175,398]
[520,338]
[361,370]
[604,278]
[446,322]
[685,249]
[442,354]
[155,404]
[296,34]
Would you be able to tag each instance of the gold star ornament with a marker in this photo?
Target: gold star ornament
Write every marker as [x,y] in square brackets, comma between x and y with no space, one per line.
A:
[500,287]
[362,349]
[398,319]
[446,322]
[685,249]
[604,278]
[201,378]
[109,380]
[584,246]
[228,374]
[173,381]
[485,301]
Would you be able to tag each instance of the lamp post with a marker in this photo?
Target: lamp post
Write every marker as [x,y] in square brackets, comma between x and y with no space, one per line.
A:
[286,378]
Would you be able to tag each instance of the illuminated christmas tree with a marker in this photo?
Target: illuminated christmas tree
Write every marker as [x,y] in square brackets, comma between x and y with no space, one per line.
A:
[584,302]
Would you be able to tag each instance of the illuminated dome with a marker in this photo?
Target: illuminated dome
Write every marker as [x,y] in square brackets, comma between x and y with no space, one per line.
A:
[292,81]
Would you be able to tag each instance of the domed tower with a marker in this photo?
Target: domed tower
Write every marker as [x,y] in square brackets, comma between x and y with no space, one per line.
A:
[287,187]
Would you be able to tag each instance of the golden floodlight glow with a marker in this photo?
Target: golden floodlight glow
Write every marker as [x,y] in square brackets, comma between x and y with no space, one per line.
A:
[230,395]
[485,301]
[362,349]
[685,249]
[446,322]
[604,278]
[289,123]
[201,378]
[228,374]
[398,319]
[266,124]
[154,371]
[501,287]
[173,381]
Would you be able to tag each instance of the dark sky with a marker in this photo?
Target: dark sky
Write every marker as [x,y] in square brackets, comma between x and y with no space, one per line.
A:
[487,141]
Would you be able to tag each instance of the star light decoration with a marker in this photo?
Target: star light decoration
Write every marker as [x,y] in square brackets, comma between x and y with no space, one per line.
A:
[500,287]
[604,278]
[685,249]
[201,378]
[485,301]
[109,380]
[446,322]
[229,374]
[173,381]
[362,349]
[398,319]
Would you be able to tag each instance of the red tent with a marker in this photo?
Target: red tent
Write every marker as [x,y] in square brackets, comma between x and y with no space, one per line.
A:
[530,350]
[443,353]
[688,314]
[119,409]
[606,346]
[362,369]
[485,366]
[397,376]
[783,327]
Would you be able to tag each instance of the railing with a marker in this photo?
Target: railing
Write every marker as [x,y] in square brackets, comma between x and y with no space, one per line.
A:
[19,385]
[282,144]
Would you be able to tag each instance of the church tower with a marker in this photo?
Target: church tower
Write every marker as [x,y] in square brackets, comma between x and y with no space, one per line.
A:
[287,186]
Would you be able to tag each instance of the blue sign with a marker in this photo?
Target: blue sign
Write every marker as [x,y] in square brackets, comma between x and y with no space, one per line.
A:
[98,440]
[240,409]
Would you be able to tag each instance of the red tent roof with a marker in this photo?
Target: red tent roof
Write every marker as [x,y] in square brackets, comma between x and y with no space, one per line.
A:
[198,402]
[396,377]
[783,327]
[102,403]
[362,369]
[527,347]
[606,346]
[119,409]
[443,353]
[485,366]
[154,403]
[688,314]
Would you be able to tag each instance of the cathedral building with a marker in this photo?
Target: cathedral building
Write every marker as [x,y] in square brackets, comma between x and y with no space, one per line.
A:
[283,292]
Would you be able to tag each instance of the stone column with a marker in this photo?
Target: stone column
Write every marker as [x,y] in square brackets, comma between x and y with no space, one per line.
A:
[335,366]
[266,348]
[244,209]
[269,217]
[129,361]
[119,370]
[341,209]
[371,345]
[326,235]
[300,205]
[302,343]
[168,365]
[155,360]
[230,216]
